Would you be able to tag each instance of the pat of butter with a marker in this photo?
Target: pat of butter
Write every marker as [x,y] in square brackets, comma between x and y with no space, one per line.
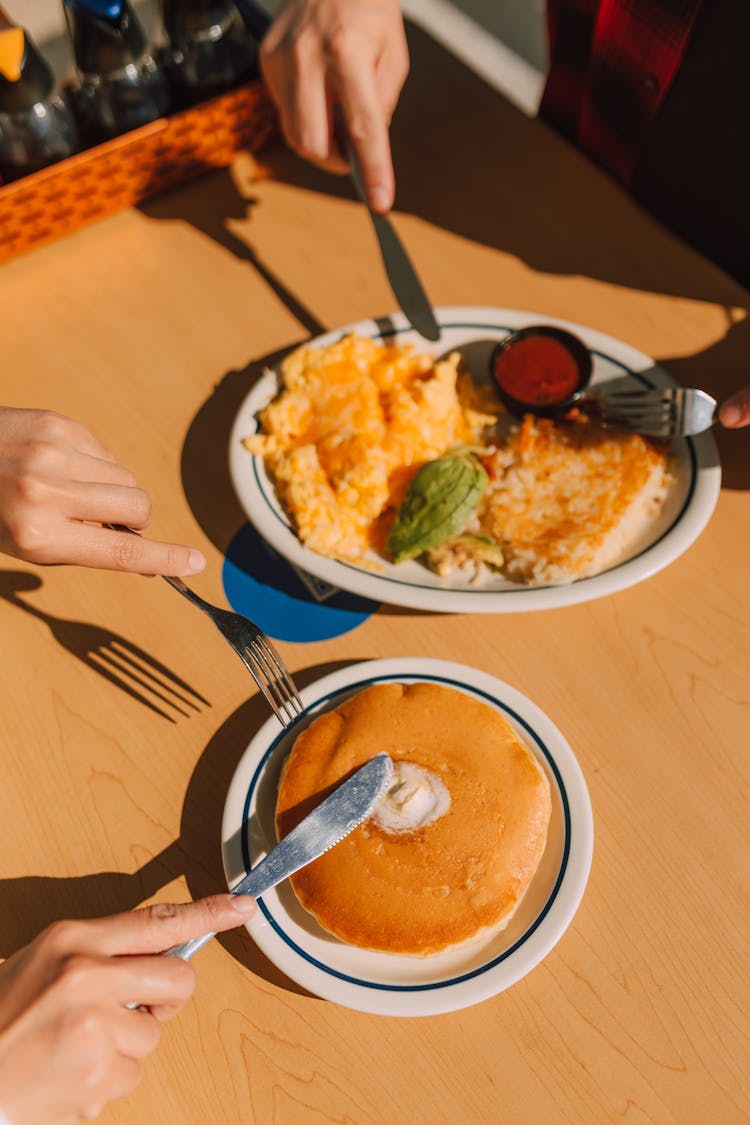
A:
[415,798]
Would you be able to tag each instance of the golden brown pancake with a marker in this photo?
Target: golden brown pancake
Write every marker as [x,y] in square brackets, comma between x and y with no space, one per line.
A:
[423,889]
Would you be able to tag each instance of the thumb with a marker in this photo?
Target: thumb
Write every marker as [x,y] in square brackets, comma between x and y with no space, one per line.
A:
[735,411]
[156,928]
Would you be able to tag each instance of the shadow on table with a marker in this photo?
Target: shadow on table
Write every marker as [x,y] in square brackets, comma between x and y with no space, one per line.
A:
[31,902]
[502,180]
[119,661]
[209,205]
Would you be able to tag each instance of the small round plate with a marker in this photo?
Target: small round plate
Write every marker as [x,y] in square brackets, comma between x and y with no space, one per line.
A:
[475,332]
[394,985]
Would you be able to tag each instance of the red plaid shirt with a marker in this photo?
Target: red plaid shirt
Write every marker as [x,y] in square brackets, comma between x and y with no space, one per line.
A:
[612,63]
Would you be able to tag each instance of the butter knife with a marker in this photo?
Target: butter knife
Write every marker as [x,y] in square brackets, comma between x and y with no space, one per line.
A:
[406,286]
[333,819]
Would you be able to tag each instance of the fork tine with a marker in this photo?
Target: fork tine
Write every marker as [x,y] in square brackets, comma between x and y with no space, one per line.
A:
[637,410]
[641,404]
[285,701]
[254,650]
[629,426]
[279,680]
[661,412]
[641,417]
[252,667]
[281,671]
[643,411]
[628,394]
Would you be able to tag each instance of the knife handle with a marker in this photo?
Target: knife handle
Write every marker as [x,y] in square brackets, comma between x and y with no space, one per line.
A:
[323,828]
[186,949]
[251,884]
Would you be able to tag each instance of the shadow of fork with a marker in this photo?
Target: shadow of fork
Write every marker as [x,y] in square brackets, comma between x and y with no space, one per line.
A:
[116,659]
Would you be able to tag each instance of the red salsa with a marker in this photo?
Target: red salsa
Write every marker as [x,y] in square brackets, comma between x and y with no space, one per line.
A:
[537,370]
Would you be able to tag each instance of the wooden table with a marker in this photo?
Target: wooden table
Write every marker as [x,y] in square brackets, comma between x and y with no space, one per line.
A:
[150,328]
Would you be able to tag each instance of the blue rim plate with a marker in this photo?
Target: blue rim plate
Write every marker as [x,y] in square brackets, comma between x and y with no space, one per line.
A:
[386,984]
[476,331]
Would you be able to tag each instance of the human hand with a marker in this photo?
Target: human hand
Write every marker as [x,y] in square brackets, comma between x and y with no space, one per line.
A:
[56,481]
[321,52]
[735,411]
[68,1043]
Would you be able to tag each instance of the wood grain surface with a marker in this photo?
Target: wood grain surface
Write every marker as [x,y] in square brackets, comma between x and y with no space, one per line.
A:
[150,327]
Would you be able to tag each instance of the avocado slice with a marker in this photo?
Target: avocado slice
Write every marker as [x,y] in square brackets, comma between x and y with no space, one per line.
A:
[439,501]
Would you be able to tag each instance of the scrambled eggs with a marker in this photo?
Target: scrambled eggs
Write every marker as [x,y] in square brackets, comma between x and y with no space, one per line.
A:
[352,423]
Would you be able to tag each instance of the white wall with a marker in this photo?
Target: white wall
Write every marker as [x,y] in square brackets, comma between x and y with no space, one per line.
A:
[504,41]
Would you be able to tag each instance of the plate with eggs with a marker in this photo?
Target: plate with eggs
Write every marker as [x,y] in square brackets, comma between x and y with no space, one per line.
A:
[393,468]
[469,869]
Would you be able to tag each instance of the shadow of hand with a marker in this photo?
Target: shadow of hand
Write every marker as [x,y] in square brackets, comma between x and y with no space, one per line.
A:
[31,902]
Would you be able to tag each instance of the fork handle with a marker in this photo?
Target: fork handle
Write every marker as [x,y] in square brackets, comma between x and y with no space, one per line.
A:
[181,588]
[175,582]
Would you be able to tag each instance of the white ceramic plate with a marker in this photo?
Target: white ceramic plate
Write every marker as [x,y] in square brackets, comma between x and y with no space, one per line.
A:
[394,985]
[475,331]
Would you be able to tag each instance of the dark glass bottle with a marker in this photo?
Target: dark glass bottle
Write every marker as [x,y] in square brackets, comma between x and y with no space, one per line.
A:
[209,50]
[121,85]
[37,126]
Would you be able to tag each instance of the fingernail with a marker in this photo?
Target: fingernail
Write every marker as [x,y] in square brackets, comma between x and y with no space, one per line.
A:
[196,562]
[244,905]
[380,199]
[730,415]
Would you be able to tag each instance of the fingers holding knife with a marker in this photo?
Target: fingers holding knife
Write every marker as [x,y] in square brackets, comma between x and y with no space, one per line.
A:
[318,53]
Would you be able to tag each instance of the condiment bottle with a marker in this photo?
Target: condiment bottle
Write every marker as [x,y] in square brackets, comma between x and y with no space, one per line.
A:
[37,126]
[121,85]
[209,49]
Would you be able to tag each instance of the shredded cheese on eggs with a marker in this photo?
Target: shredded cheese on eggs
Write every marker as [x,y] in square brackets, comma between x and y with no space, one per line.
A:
[351,425]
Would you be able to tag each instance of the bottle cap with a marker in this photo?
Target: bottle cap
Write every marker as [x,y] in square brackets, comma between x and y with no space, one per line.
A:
[25,75]
[12,50]
[106,34]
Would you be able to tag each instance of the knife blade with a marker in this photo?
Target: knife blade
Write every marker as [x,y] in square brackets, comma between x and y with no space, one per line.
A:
[333,819]
[406,286]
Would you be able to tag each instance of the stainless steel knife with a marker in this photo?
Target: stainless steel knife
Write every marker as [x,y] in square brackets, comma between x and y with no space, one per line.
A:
[333,819]
[406,286]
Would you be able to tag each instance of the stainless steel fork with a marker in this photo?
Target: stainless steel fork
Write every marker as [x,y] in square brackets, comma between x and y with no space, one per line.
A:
[251,645]
[661,412]
[255,651]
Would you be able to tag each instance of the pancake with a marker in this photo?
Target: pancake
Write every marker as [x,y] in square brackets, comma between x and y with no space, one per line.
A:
[450,850]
